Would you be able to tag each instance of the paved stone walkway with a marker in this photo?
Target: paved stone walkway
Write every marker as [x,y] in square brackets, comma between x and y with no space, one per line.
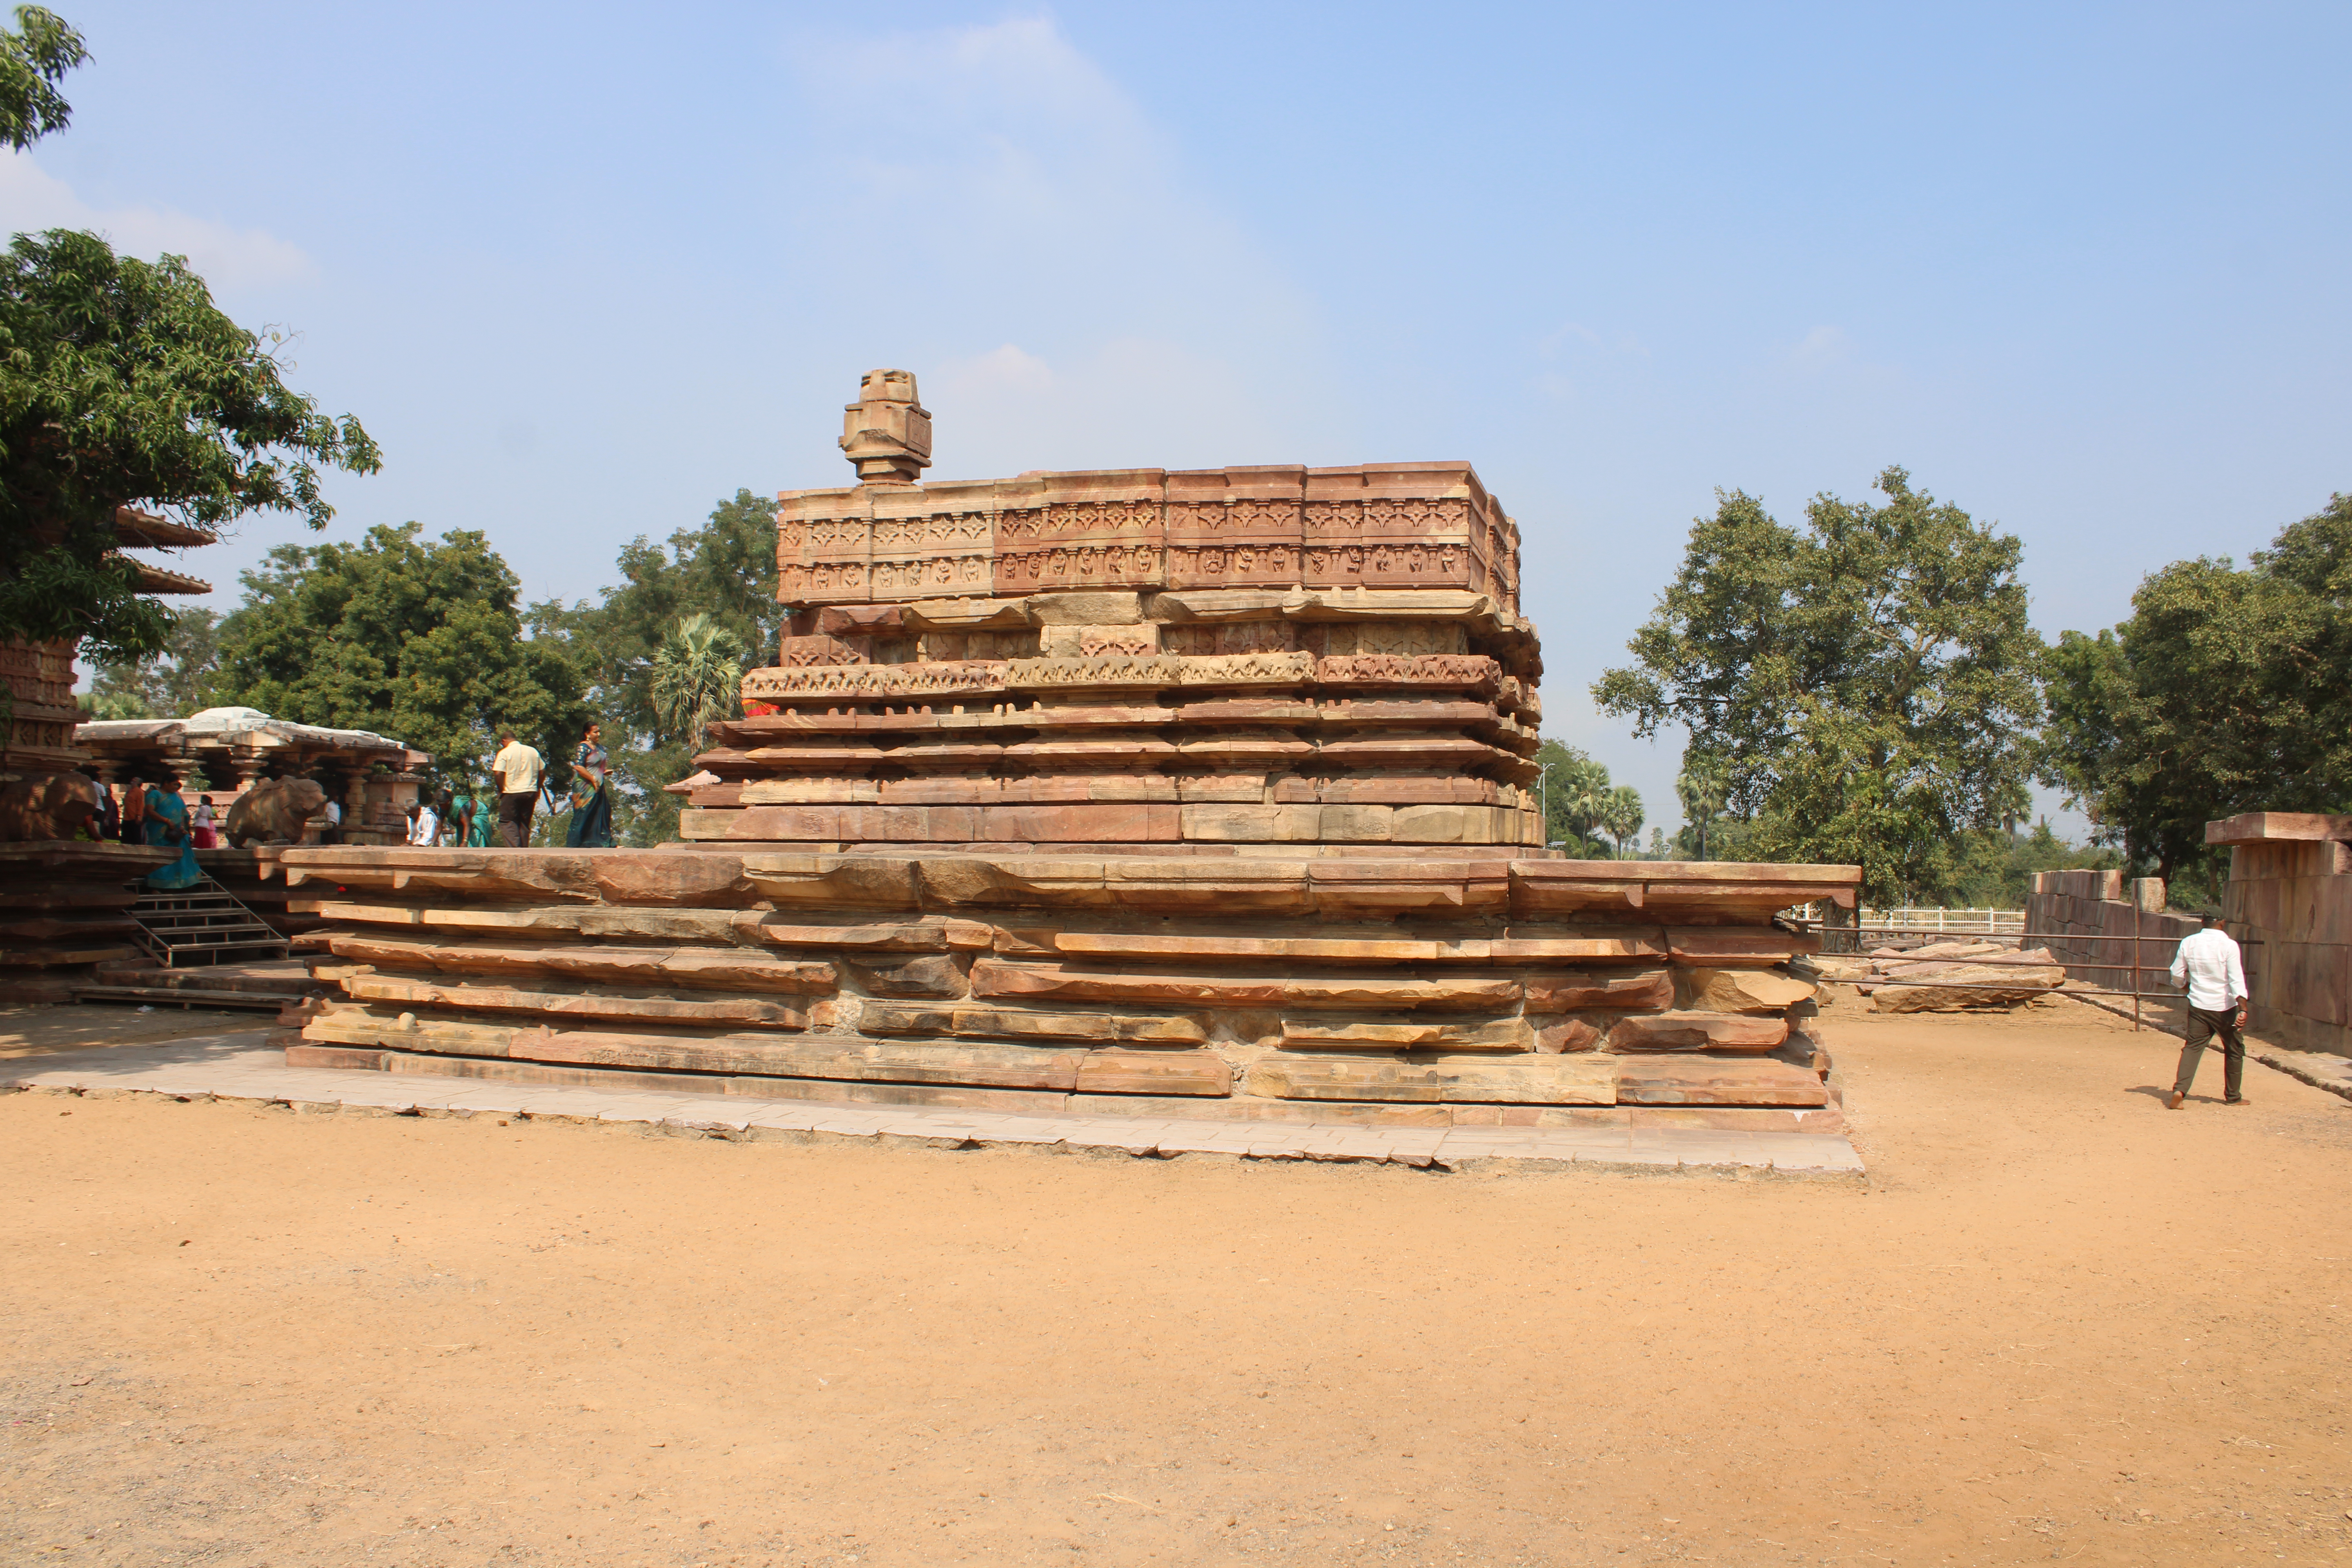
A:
[238,1067]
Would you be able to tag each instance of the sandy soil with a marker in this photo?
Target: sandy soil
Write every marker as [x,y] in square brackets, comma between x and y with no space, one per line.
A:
[2061,1324]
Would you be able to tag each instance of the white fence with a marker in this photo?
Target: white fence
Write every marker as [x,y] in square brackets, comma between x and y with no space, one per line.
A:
[1995,922]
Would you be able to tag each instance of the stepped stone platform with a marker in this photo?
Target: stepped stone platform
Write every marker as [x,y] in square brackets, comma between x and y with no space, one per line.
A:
[1132,792]
[1441,992]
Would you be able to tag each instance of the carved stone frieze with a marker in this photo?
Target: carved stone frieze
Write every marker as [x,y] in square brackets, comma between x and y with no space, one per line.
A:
[1460,670]
[873,682]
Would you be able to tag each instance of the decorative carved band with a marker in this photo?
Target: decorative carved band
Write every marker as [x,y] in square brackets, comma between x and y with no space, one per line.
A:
[869,682]
[1470,670]
[1079,566]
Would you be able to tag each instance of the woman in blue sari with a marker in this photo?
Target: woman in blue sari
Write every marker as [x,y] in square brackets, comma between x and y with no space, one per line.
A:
[165,825]
[592,794]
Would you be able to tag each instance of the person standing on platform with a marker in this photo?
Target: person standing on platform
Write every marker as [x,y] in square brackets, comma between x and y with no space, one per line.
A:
[132,827]
[2209,966]
[331,822]
[591,793]
[203,820]
[164,823]
[517,768]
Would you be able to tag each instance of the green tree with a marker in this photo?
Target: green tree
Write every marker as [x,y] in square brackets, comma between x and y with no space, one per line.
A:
[33,60]
[697,677]
[1701,788]
[1868,683]
[2226,690]
[1622,818]
[122,383]
[725,570]
[1997,867]
[172,684]
[1575,797]
[414,639]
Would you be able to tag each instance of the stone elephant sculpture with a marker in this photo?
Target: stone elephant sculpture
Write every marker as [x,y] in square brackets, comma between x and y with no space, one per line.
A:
[47,805]
[273,811]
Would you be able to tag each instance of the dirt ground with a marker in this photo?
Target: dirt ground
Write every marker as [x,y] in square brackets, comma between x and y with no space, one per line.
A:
[2059,1324]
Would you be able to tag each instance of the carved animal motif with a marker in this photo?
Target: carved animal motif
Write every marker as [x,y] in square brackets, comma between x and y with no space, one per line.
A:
[274,812]
[42,806]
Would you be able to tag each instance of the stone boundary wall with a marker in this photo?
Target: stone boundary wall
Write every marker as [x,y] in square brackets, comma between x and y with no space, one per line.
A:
[2291,889]
[2092,919]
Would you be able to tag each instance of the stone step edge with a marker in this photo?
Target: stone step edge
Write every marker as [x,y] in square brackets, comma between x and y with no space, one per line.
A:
[1828,1120]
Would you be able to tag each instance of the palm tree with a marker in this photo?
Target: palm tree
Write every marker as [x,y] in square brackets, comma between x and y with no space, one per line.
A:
[1586,792]
[697,677]
[1703,790]
[1622,817]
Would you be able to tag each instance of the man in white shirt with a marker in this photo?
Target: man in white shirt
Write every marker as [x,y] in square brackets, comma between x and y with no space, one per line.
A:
[332,830]
[424,826]
[516,769]
[2208,967]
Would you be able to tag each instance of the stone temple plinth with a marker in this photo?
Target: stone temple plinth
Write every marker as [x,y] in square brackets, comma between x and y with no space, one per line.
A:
[1137,793]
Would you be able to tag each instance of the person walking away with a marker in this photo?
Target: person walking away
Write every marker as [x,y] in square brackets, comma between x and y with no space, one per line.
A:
[591,793]
[164,824]
[134,812]
[2208,965]
[203,820]
[517,768]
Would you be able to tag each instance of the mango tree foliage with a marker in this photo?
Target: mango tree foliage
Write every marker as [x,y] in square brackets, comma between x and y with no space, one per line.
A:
[1866,684]
[121,383]
[2228,690]
[412,638]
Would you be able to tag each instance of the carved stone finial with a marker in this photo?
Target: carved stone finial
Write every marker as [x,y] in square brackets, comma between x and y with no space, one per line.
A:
[887,433]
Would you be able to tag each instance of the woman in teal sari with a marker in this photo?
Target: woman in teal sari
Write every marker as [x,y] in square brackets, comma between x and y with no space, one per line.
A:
[592,794]
[481,827]
[166,827]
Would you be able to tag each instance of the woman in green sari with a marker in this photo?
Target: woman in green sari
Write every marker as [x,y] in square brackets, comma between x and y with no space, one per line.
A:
[165,826]
[481,827]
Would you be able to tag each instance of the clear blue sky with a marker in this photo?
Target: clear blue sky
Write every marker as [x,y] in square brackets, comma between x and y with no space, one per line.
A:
[584,269]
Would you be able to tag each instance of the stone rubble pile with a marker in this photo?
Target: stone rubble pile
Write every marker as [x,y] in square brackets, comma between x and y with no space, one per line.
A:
[1947,976]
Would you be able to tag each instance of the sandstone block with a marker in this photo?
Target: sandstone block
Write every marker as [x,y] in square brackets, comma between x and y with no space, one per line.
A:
[1743,991]
[1627,989]
[1747,947]
[853,881]
[996,977]
[1528,1079]
[1111,1071]
[1250,823]
[718,968]
[1712,1081]
[1430,1034]
[1697,1032]
[569,1002]
[1565,1034]
[1010,1023]
[937,975]
[1084,609]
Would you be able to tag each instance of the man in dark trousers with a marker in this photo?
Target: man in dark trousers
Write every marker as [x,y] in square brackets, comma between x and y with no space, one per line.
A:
[2209,966]
[516,768]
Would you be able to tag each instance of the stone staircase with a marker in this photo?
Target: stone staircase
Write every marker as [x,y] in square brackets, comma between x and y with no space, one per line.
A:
[203,949]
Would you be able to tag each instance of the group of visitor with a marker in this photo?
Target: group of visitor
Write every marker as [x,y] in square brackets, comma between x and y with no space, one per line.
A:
[502,814]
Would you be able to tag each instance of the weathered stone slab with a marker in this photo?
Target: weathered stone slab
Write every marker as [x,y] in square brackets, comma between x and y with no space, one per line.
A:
[571,1003]
[997,977]
[1697,1032]
[1430,1033]
[1743,991]
[1114,1071]
[1561,992]
[718,968]
[1532,1079]
[1737,945]
[1565,1034]
[1010,1023]
[1716,1080]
